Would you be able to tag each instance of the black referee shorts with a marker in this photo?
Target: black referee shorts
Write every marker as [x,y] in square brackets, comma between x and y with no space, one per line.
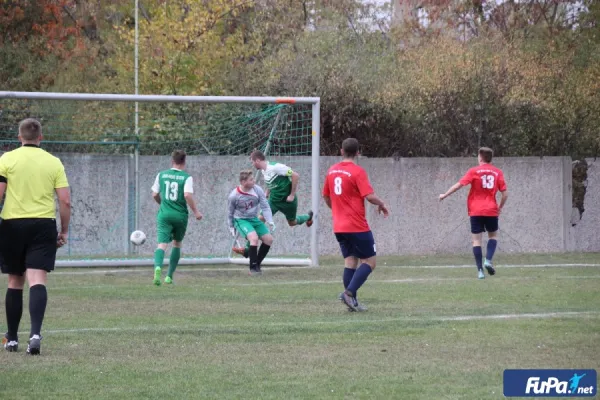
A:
[27,243]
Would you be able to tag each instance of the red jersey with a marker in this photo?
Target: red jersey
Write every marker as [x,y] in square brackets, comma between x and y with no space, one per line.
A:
[347,184]
[485,181]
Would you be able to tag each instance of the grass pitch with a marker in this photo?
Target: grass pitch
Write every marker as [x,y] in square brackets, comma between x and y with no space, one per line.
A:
[433,331]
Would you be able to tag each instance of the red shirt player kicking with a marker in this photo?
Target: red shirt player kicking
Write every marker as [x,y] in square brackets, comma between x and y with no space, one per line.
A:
[346,188]
[485,180]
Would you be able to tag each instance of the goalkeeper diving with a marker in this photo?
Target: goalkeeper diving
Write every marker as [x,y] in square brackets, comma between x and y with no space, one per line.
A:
[244,203]
[281,182]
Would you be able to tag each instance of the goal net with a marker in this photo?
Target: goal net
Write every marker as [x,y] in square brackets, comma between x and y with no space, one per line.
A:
[113,146]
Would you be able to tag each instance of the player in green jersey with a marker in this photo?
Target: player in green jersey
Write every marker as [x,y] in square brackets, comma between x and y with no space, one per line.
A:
[281,182]
[173,190]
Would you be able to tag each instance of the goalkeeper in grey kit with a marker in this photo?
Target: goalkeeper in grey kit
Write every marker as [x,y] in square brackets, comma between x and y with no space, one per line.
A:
[244,203]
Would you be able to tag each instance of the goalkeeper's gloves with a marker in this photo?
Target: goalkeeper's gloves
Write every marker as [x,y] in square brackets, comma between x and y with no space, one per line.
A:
[272,226]
[232,231]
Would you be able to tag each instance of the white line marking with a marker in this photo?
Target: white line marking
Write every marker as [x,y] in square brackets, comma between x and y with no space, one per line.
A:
[325,282]
[497,266]
[263,324]
[144,270]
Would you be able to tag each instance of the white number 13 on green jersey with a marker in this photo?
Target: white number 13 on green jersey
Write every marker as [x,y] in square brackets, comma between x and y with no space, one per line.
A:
[171,190]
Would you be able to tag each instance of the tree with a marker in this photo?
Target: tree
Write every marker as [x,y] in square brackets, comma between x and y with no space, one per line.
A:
[36,37]
[186,46]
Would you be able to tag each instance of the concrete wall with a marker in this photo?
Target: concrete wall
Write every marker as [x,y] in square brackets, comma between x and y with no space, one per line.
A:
[533,220]
[537,217]
[100,189]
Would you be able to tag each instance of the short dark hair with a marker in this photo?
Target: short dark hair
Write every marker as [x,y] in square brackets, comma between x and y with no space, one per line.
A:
[30,129]
[486,154]
[257,155]
[178,157]
[350,147]
[245,174]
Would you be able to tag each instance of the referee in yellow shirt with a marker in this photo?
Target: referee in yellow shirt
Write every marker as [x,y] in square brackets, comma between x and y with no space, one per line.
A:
[28,236]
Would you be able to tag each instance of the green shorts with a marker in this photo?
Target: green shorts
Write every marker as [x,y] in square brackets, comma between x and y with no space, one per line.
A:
[169,227]
[287,209]
[247,226]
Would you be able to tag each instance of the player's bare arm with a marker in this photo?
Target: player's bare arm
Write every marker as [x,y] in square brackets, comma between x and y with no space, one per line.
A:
[189,199]
[264,206]
[2,187]
[231,203]
[327,201]
[452,189]
[3,179]
[503,201]
[156,197]
[64,210]
[381,207]
[295,180]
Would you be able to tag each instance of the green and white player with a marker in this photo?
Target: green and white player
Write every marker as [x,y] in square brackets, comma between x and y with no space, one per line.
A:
[244,202]
[173,190]
[281,182]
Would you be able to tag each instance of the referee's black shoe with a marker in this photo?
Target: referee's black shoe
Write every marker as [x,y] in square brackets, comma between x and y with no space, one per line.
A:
[33,348]
[10,345]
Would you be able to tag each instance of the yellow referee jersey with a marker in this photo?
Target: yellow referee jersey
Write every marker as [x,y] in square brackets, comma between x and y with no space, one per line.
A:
[31,174]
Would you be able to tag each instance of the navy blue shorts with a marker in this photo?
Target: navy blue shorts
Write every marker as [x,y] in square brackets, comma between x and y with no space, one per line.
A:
[357,244]
[484,224]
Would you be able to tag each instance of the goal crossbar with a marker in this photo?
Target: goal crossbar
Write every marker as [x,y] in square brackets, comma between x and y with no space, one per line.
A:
[157,98]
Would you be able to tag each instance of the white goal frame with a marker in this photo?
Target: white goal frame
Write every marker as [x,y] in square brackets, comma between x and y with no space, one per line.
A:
[315,102]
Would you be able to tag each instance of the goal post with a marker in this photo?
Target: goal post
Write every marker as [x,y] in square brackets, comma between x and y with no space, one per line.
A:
[112,150]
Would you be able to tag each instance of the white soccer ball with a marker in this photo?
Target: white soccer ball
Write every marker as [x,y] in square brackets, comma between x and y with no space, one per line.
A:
[137,237]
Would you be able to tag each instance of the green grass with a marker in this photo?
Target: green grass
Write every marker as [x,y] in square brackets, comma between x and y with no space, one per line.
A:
[219,334]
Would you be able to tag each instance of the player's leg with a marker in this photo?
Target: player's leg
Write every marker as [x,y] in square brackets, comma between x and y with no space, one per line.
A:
[242,251]
[265,246]
[245,251]
[40,257]
[364,248]
[179,229]
[253,253]
[159,258]
[274,210]
[38,299]
[14,311]
[350,263]
[290,211]
[350,266]
[13,264]
[267,240]
[164,234]
[245,226]
[477,229]
[309,220]
[173,261]
[491,226]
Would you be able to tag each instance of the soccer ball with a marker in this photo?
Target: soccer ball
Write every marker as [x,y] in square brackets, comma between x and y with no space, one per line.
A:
[138,238]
